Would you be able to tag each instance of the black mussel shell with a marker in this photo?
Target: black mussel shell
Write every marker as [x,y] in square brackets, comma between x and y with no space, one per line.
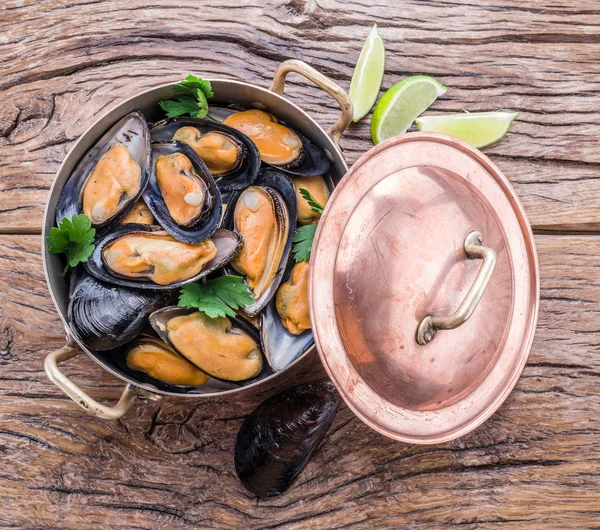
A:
[208,221]
[241,177]
[104,316]
[276,441]
[281,347]
[281,183]
[131,131]
[161,316]
[228,244]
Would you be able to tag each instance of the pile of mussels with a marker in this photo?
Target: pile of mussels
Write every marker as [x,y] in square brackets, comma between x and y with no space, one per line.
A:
[181,200]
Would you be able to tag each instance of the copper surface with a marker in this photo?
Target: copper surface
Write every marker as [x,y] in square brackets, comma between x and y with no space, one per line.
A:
[388,252]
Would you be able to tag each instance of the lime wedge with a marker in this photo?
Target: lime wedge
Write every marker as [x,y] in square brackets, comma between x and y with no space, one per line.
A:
[401,104]
[477,128]
[368,75]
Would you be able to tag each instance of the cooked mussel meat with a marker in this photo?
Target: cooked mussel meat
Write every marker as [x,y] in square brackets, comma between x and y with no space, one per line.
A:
[157,256]
[222,348]
[154,358]
[104,316]
[285,321]
[147,257]
[230,156]
[183,191]
[292,300]
[221,152]
[265,216]
[112,184]
[318,189]
[277,440]
[260,216]
[182,194]
[111,177]
[279,145]
[139,214]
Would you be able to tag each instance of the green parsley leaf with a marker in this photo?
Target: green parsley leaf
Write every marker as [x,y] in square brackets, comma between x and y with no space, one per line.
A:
[192,95]
[303,240]
[218,297]
[73,237]
[312,202]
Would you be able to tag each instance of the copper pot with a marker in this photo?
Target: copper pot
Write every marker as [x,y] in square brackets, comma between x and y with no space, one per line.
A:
[227,91]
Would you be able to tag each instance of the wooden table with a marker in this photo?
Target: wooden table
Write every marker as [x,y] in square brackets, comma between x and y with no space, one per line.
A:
[534,464]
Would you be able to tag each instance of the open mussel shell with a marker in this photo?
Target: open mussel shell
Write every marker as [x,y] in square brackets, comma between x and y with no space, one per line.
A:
[277,440]
[227,243]
[208,220]
[159,322]
[281,347]
[282,191]
[311,159]
[103,316]
[132,132]
[248,165]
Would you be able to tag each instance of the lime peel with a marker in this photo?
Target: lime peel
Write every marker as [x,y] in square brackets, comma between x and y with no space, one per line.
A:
[368,75]
[479,129]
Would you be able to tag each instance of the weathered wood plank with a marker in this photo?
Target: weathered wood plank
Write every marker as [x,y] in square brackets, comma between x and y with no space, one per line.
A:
[168,464]
[59,74]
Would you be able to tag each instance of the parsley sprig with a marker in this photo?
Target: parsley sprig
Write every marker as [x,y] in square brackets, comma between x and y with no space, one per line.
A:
[74,237]
[191,98]
[315,206]
[217,297]
[303,240]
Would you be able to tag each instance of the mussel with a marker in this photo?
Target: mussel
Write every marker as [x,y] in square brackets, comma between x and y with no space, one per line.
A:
[276,441]
[285,322]
[227,349]
[146,257]
[153,357]
[181,193]
[104,316]
[317,187]
[111,177]
[279,145]
[265,216]
[139,214]
[230,156]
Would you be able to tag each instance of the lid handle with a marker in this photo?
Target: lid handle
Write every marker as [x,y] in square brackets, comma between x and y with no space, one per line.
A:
[474,249]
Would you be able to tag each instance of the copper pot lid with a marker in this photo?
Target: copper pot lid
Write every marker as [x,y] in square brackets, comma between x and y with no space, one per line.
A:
[424,288]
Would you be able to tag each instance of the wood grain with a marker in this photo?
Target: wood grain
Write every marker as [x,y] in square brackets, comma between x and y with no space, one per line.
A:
[169,464]
[165,465]
[59,74]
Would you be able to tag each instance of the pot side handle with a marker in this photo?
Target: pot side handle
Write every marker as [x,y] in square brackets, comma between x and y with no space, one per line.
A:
[79,396]
[323,82]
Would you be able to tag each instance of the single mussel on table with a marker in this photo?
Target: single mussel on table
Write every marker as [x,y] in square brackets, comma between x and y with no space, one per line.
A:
[228,349]
[182,194]
[277,440]
[146,257]
[279,145]
[140,214]
[265,216]
[230,156]
[111,178]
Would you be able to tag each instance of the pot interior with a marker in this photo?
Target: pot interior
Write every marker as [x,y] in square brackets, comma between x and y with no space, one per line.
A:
[226,92]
